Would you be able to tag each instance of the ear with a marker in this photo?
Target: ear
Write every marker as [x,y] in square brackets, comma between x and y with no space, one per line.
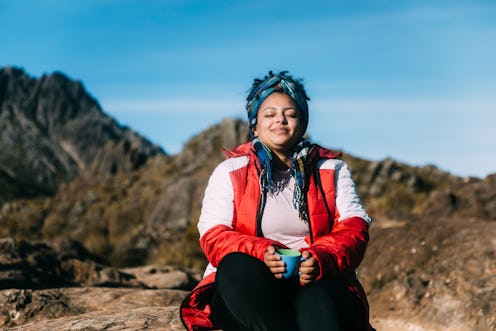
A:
[254,130]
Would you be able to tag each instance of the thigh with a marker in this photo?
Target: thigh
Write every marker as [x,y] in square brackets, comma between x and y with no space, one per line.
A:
[325,305]
[247,294]
[222,317]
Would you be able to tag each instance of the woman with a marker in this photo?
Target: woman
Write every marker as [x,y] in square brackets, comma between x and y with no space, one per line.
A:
[280,191]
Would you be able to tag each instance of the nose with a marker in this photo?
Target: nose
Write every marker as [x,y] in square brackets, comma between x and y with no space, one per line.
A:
[281,118]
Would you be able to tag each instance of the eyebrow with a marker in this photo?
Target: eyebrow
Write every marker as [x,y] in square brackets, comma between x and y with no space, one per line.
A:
[273,107]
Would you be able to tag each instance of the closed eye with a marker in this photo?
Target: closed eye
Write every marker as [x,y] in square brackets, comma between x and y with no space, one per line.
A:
[291,113]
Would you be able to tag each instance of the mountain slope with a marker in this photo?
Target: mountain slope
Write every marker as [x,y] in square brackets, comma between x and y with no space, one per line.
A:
[51,129]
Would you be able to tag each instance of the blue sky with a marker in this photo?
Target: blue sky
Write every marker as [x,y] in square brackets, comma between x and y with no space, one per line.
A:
[411,80]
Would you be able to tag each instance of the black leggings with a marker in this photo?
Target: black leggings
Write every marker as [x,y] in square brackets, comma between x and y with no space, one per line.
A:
[249,297]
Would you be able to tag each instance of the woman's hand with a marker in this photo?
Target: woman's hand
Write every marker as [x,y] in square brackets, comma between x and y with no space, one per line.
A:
[273,262]
[309,269]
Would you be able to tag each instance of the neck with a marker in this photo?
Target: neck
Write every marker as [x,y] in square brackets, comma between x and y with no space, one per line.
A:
[280,160]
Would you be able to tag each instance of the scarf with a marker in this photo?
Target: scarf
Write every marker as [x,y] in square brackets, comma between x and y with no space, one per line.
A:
[297,168]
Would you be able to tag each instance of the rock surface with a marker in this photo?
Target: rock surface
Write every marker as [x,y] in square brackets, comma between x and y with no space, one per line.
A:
[38,265]
[435,274]
[21,307]
[79,298]
[149,318]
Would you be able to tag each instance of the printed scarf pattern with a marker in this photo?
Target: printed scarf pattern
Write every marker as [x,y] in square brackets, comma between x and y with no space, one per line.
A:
[299,169]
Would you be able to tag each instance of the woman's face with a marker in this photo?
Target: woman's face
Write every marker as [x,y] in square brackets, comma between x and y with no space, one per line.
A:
[278,123]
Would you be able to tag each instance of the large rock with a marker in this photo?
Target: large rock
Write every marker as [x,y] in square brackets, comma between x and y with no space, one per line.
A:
[38,282]
[432,273]
[70,308]
[149,318]
[38,265]
[164,277]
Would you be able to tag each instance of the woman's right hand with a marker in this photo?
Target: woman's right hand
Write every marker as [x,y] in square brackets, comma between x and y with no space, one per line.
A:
[273,262]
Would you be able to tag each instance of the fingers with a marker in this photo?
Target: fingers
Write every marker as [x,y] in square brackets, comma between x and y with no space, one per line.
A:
[307,275]
[309,269]
[270,255]
[308,272]
[274,263]
[306,255]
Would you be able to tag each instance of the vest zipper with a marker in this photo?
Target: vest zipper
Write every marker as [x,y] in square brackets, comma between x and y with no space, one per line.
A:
[310,230]
[321,189]
[261,205]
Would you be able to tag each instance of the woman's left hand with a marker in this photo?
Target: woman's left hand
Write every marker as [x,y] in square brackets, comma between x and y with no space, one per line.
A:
[309,269]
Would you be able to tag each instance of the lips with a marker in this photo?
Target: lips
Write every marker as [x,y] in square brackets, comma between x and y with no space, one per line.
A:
[280,131]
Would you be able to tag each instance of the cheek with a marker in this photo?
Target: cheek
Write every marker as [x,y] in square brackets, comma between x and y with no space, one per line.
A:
[261,124]
[256,129]
[296,125]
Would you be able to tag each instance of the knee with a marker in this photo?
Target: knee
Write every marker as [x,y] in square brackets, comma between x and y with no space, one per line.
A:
[234,261]
[308,296]
[238,273]
[236,265]
[232,258]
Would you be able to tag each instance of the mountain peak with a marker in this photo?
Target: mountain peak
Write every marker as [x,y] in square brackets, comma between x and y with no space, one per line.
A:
[51,129]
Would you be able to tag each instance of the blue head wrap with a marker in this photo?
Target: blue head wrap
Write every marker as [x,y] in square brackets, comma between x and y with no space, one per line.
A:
[281,82]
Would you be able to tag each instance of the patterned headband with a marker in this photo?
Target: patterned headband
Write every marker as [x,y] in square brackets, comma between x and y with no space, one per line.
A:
[277,83]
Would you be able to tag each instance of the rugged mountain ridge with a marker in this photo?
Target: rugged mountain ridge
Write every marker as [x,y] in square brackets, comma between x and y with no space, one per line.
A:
[133,217]
[51,129]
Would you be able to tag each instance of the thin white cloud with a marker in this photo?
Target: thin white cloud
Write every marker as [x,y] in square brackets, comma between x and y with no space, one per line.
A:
[187,106]
[448,106]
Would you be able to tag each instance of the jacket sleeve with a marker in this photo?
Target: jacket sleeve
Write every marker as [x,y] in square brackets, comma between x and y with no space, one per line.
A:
[221,240]
[340,252]
[217,236]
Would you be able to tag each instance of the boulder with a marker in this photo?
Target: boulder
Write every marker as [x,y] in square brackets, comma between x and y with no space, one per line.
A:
[69,308]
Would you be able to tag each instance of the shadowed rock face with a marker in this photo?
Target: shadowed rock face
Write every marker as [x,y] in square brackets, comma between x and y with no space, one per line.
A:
[51,129]
[38,265]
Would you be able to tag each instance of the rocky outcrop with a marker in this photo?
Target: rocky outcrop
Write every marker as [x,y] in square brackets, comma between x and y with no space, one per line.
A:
[38,265]
[93,308]
[149,318]
[394,190]
[435,273]
[51,129]
[62,287]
